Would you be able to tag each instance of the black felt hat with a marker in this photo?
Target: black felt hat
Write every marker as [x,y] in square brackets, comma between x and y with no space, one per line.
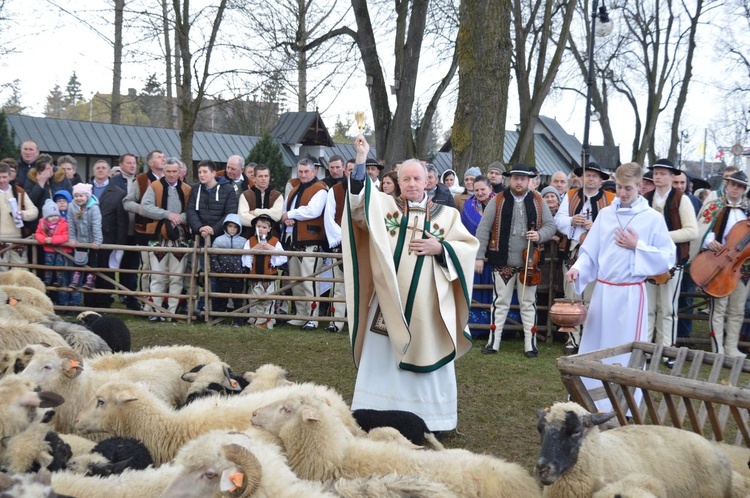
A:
[592,166]
[521,169]
[666,164]
[374,162]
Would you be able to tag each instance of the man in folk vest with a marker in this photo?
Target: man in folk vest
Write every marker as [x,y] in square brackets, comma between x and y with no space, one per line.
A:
[304,230]
[144,228]
[332,218]
[715,221]
[512,220]
[165,202]
[679,214]
[574,218]
[261,199]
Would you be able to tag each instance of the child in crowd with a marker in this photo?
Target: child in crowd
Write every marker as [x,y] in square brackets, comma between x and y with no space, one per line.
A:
[263,265]
[63,199]
[229,263]
[85,221]
[52,232]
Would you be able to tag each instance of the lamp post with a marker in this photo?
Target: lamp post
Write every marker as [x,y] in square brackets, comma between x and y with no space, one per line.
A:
[604,29]
[684,138]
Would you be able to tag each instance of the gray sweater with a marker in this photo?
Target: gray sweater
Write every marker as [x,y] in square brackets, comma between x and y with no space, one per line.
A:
[518,241]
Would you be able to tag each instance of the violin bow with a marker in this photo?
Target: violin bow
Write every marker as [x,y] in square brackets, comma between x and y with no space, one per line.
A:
[526,267]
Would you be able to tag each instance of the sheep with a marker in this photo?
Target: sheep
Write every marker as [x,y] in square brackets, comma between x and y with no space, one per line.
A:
[319,448]
[738,457]
[35,485]
[123,408]
[146,483]
[574,455]
[410,425]
[210,461]
[29,298]
[16,335]
[115,454]
[14,361]
[37,447]
[111,328]
[266,377]
[212,379]
[633,486]
[61,370]
[22,278]
[186,356]
[79,338]
[19,401]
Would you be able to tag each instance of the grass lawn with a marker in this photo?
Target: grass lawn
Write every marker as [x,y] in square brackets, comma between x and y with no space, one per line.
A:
[498,395]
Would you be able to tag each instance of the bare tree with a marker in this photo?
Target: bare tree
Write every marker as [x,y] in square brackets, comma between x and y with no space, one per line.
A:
[540,34]
[115,111]
[484,54]
[189,103]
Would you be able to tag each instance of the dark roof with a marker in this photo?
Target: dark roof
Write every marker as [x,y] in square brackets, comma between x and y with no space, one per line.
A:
[347,152]
[85,138]
[443,161]
[568,142]
[304,128]
[549,160]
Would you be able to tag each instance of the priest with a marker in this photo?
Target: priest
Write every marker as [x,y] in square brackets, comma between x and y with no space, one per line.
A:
[408,265]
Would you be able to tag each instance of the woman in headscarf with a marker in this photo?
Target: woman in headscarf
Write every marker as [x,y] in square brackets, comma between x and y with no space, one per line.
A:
[460,198]
[471,215]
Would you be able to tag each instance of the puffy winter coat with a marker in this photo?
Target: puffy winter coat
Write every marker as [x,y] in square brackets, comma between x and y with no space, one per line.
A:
[229,263]
[59,235]
[85,224]
[210,208]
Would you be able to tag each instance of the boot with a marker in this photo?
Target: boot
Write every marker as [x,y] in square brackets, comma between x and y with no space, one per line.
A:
[730,347]
[237,322]
[90,281]
[59,279]
[76,280]
[48,278]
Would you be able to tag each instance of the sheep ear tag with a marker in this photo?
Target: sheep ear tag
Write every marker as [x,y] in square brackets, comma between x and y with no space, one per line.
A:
[231,480]
[12,301]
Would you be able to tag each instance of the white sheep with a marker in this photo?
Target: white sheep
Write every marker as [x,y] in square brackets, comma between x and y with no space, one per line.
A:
[187,356]
[19,401]
[218,462]
[16,335]
[36,485]
[146,483]
[123,408]
[318,447]
[575,456]
[61,370]
[22,278]
[633,486]
[14,361]
[265,377]
[29,298]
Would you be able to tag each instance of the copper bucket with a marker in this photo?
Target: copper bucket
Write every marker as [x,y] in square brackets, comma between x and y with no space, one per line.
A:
[568,314]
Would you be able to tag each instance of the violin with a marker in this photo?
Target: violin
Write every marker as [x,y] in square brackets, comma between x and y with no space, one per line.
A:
[533,275]
[717,273]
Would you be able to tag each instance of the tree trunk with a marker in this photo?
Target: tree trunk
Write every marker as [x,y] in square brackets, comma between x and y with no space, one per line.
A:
[423,131]
[302,56]
[484,52]
[170,109]
[115,110]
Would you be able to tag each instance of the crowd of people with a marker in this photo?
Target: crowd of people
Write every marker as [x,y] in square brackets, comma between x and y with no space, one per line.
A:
[515,218]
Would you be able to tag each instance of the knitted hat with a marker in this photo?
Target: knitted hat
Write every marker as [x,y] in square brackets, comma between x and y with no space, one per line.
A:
[473,171]
[82,188]
[497,166]
[50,209]
[550,190]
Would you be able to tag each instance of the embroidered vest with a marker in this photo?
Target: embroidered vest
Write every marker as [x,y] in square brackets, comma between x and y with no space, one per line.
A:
[602,199]
[497,249]
[306,232]
[339,195]
[262,263]
[160,197]
[672,217]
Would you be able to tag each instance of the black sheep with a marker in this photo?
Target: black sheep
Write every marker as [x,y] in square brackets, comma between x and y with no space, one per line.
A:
[109,327]
[410,425]
[122,453]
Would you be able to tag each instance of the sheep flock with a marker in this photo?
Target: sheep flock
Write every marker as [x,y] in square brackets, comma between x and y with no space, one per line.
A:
[83,416]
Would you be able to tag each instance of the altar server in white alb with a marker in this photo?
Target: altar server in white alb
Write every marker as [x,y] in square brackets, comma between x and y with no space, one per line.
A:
[628,242]
[409,267]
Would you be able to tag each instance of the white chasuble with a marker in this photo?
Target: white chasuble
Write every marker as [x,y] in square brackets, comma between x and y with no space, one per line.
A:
[407,313]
